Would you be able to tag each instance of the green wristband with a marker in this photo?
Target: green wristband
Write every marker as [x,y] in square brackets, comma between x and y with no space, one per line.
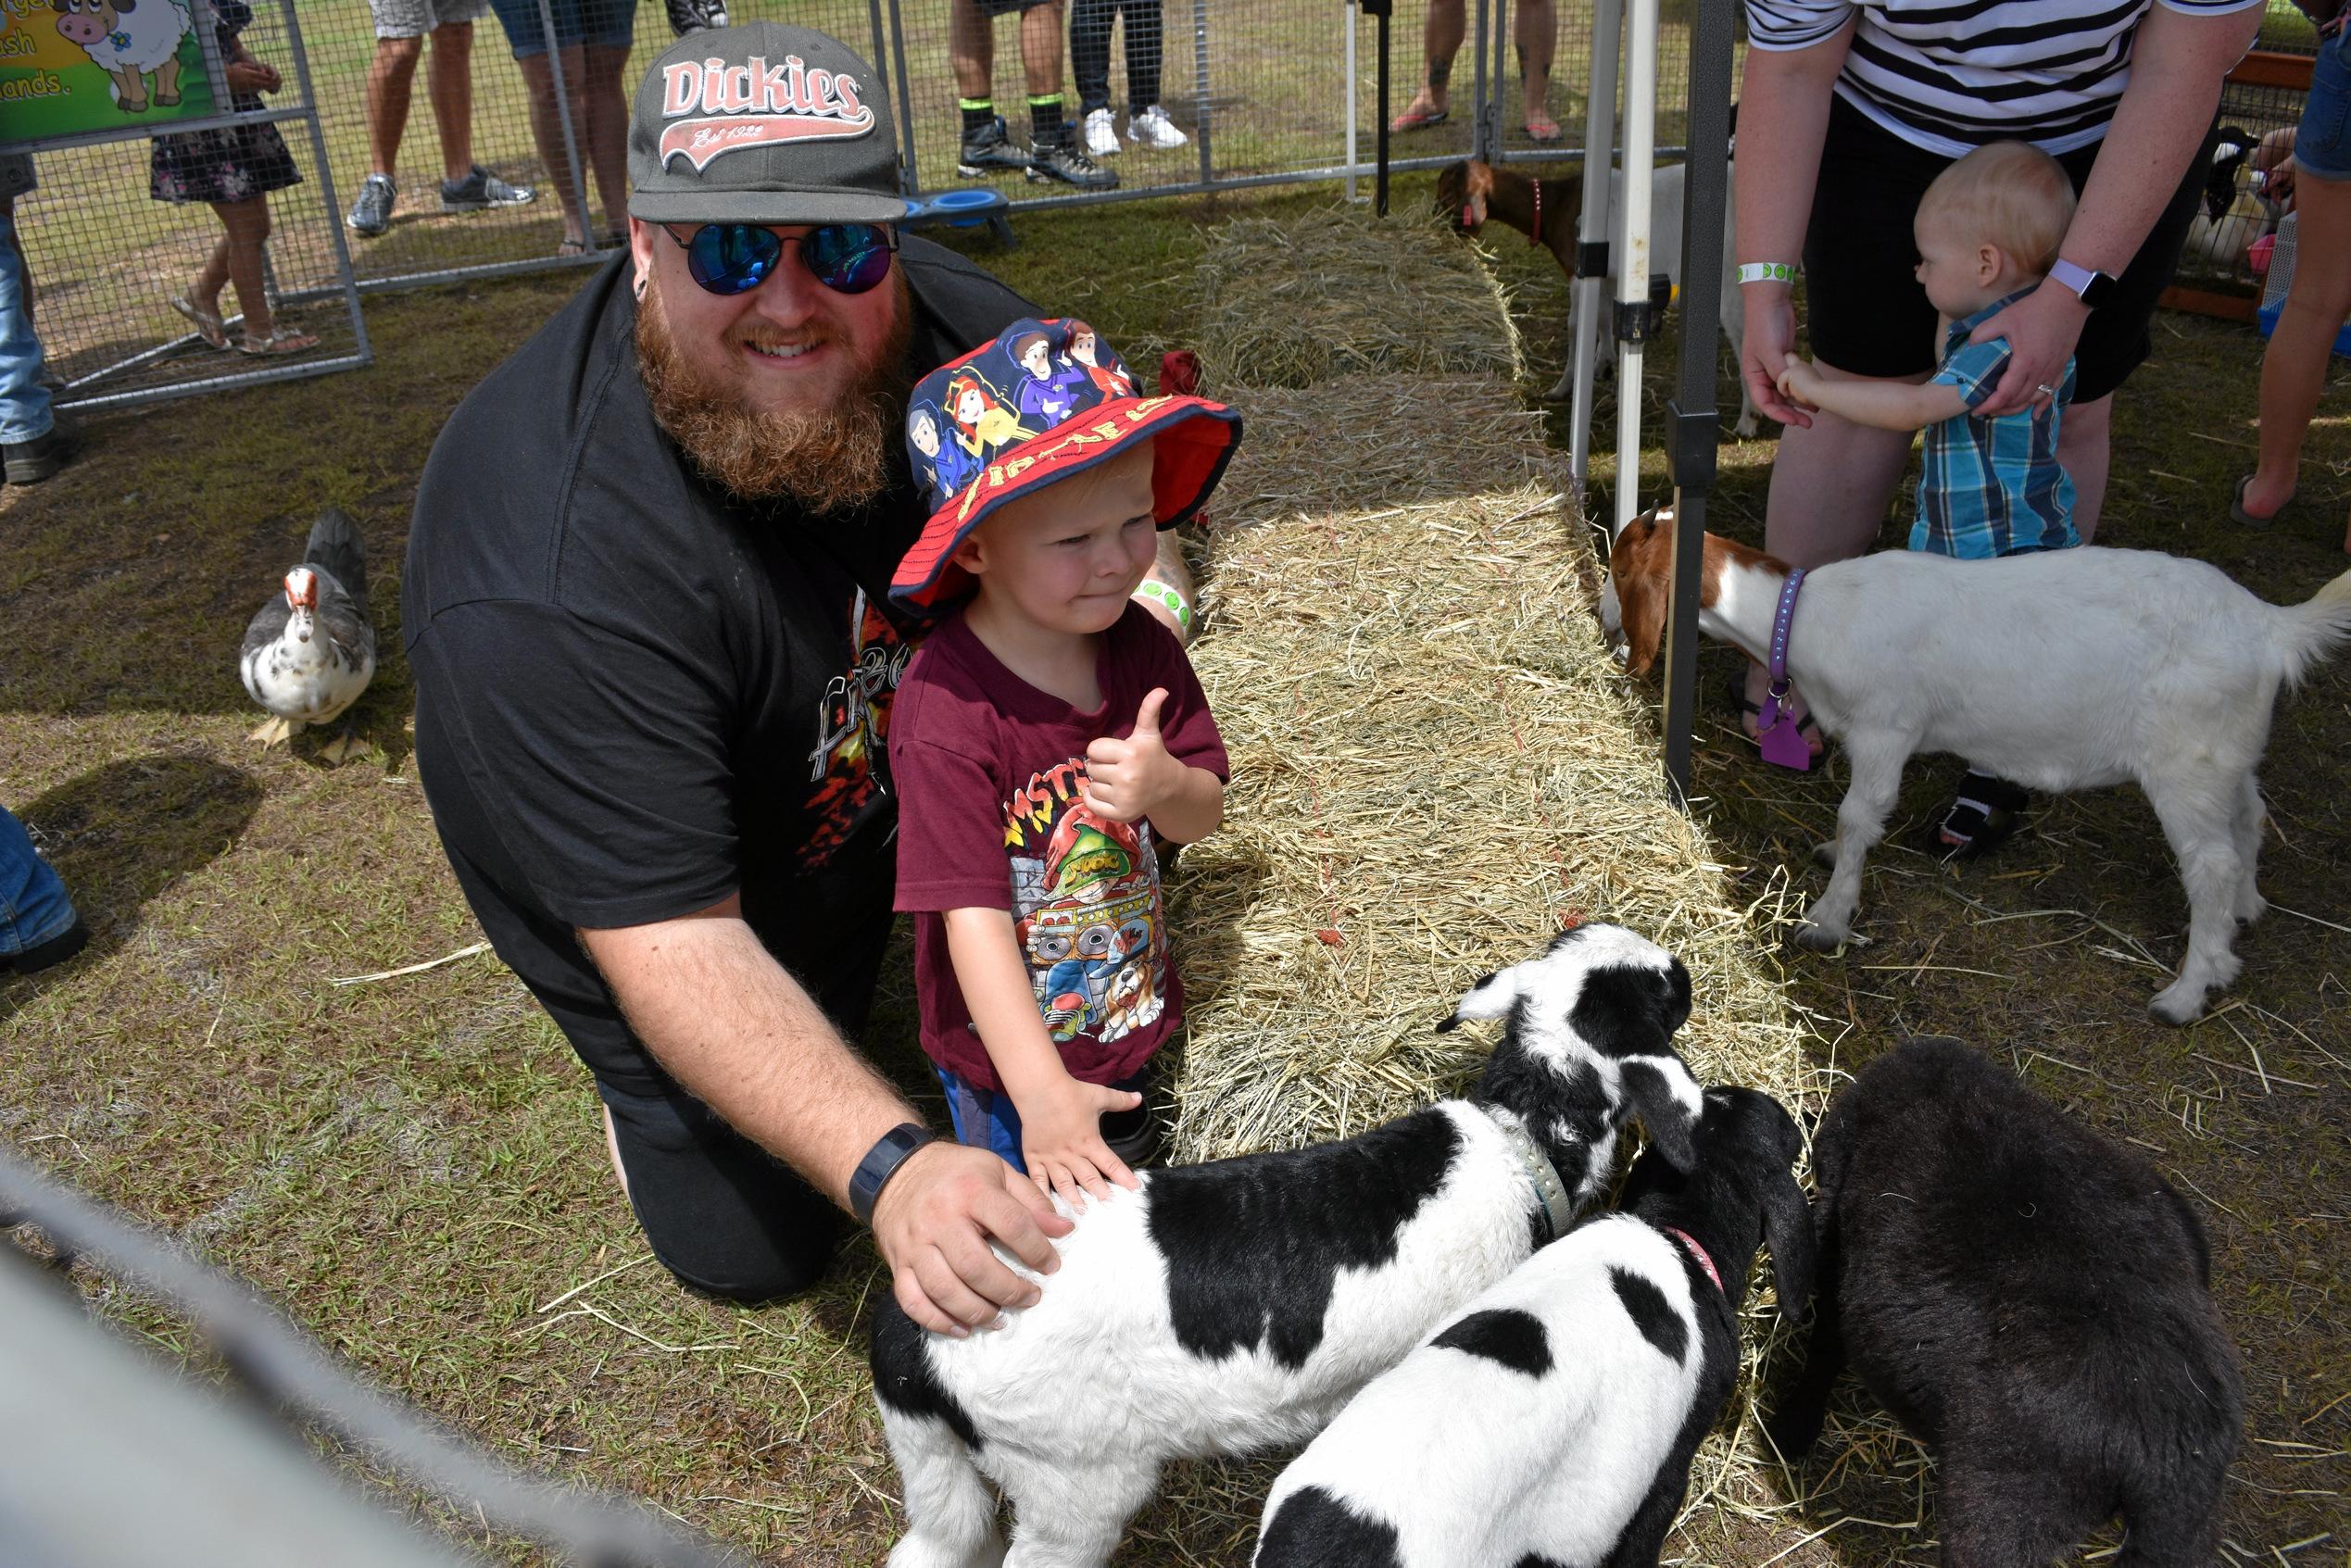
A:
[1154,592]
[1766,272]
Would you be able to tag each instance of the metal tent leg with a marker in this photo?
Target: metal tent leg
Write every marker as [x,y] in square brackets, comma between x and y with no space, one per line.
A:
[1590,287]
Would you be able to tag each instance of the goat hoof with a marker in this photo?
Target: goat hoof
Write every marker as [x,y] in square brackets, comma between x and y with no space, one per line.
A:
[1825,853]
[2177,1006]
[1818,938]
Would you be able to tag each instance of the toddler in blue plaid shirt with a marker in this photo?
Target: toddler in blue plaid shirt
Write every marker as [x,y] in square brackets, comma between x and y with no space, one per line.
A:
[1987,229]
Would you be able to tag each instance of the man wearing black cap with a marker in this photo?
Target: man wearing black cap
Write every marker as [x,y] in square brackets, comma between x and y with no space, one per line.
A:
[647,605]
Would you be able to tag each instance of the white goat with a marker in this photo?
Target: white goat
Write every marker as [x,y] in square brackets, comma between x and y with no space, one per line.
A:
[1239,1304]
[2062,671]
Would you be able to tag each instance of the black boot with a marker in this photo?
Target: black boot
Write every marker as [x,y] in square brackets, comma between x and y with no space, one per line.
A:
[30,462]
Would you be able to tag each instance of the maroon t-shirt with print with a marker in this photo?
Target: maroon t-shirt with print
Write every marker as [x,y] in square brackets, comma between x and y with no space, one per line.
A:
[990,774]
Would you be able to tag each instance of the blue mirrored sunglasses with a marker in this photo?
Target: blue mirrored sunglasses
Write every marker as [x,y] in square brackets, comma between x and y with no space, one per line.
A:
[734,258]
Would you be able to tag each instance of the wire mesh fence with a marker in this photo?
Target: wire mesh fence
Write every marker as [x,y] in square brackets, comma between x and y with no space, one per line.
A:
[2261,104]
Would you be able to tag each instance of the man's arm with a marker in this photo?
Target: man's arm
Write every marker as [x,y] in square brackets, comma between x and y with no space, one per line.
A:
[732,1026]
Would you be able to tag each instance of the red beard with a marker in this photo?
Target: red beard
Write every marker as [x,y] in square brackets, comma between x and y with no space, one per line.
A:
[824,459]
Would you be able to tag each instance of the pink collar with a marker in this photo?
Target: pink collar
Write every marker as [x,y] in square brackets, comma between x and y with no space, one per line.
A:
[1691,1243]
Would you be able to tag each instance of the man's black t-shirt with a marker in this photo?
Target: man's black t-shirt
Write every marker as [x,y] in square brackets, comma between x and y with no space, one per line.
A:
[636,695]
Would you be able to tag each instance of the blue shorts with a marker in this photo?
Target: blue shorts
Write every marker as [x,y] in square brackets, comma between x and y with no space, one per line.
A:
[986,1119]
[599,24]
[2322,141]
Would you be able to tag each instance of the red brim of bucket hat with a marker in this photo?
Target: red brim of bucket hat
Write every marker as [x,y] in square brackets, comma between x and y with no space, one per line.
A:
[1194,439]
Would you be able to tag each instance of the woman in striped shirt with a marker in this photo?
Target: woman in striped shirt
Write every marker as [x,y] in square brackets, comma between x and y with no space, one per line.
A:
[1849,110]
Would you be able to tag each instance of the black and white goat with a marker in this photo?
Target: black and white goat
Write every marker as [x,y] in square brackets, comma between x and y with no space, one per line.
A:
[1237,1305]
[2031,1301]
[1553,1422]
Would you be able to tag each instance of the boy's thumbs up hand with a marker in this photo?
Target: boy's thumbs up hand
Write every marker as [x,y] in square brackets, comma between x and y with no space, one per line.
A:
[1128,778]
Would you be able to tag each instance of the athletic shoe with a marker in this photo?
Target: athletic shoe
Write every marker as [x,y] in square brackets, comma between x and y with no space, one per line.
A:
[371,214]
[693,16]
[990,150]
[1101,136]
[1154,128]
[482,189]
[1067,162]
[30,462]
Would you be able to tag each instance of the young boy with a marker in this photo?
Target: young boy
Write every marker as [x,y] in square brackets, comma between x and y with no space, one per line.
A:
[1047,738]
[1988,230]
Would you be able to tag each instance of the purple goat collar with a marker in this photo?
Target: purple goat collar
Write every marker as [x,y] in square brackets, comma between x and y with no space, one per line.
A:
[1777,729]
[1698,1252]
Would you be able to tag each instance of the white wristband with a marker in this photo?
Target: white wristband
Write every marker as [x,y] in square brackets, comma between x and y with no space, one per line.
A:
[1766,272]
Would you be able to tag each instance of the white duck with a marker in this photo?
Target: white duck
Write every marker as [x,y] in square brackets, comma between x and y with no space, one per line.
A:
[309,652]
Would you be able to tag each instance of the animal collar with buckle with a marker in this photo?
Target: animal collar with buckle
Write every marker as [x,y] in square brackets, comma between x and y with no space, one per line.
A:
[1691,1243]
[1558,1208]
[1777,729]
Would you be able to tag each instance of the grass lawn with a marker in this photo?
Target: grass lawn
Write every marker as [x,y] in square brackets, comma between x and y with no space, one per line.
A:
[414,1169]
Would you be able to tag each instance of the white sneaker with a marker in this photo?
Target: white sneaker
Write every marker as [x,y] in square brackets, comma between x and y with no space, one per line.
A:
[1101,136]
[1154,128]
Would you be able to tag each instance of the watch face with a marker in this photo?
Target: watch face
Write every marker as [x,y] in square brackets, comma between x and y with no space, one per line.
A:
[2097,291]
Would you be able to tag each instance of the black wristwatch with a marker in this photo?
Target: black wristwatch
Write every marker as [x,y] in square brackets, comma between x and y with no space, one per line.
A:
[881,1163]
[2093,288]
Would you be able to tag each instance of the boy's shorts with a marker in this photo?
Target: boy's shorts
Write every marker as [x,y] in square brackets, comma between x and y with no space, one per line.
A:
[414,18]
[1864,309]
[985,1119]
[599,24]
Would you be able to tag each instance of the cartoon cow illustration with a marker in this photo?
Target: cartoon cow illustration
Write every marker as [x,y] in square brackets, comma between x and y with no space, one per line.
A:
[127,42]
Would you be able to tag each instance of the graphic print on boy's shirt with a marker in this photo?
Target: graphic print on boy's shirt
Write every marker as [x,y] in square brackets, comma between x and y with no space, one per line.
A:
[1084,909]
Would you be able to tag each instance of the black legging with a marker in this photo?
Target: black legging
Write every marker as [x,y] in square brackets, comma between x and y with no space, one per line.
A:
[1090,35]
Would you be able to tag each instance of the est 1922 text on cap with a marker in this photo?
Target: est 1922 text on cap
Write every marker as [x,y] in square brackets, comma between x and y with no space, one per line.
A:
[762,123]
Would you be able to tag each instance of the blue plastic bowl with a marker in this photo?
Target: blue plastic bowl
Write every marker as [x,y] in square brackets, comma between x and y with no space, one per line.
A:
[964,210]
[2268,319]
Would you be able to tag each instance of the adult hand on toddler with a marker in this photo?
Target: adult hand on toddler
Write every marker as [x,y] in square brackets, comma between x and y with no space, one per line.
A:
[2042,328]
[1062,1139]
[249,75]
[1128,778]
[1800,383]
[933,1224]
[1764,350]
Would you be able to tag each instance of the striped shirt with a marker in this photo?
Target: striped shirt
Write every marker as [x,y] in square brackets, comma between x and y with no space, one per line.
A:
[1951,75]
[1993,487]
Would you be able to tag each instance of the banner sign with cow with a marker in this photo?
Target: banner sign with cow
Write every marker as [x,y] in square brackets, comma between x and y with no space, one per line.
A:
[99,69]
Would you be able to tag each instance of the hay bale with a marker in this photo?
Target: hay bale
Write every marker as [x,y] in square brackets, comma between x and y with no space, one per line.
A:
[1296,302]
[1436,763]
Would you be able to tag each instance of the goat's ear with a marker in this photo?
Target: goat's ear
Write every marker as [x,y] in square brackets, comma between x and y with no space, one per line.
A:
[1788,1226]
[1493,997]
[1660,1090]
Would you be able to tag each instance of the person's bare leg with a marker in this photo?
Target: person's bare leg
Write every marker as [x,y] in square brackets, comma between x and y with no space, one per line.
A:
[391,80]
[970,44]
[608,130]
[1831,485]
[547,130]
[1041,34]
[448,79]
[248,223]
[2294,368]
[2085,445]
[1441,38]
[1538,34]
[213,276]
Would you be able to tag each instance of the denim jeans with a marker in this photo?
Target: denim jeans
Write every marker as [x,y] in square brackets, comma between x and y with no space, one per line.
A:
[24,402]
[33,906]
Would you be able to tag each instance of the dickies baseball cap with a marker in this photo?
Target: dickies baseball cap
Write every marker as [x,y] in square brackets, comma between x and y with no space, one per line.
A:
[1037,403]
[762,123]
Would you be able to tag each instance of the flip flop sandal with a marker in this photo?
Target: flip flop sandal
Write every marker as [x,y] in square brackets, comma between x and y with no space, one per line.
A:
[2238,515]
[1986,814]
[1419,119]
[279,342]
[573,248]
[1736,691]
[1542,128]
[208,326]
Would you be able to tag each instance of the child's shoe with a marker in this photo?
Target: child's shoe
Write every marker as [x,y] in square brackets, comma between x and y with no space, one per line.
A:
[1154,128]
